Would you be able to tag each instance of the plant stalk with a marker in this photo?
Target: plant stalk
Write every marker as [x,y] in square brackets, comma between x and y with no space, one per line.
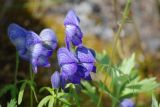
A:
[31,93]
[16,69]
[117,35]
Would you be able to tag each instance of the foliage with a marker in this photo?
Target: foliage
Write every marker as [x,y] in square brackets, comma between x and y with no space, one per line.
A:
[31,85]
[53,98]
[125,81]
[12,103]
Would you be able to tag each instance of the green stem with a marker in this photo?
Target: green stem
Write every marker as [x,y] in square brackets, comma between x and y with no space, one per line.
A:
[76,98]
[16,69]
[31,93]
[123,21]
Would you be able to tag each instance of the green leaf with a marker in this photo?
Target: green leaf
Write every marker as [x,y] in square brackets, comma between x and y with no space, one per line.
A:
[12,103]
[106,90]
[20,95]
[61,94]
[51,102]
[50,90]
[128,95]
[154,102]
[70,85]
[103,58]
[34,92]
[9,87]
[64,101]
[44,101]
[148,85]
[128,64]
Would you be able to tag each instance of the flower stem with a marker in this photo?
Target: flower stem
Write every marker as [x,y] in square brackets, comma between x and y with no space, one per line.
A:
[16,69]
[123,21]
[31,93]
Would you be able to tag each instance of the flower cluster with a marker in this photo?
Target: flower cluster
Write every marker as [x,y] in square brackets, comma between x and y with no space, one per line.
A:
[31,47]
[75,63]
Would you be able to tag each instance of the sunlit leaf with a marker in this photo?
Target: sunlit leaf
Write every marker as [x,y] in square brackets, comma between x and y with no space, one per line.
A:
[44,101]
[154,102]
[20,95]
[12,103]
[34,92]
[128,64]
[65,101]
[50,90]
[51,102]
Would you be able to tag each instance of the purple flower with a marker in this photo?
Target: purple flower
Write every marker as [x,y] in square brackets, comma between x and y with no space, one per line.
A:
[71,71]
[127,103]
[69,65]
[86,58]
[75,67]
[55,80]
[32,47]
[73,31]
[17,36]
[48,38]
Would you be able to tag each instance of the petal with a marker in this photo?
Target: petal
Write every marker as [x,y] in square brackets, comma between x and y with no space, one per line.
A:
[39,56]
[55,80]
[63,80]
[66,57]
[24,54]
[34,67]
[74,34]
[94,69]
[84,55]
[17,36]
[48,38]
[75,79]
[93,52]
[43,61]
[69,70]
[71,18]
[88,78]
[81,71]
[32,39]
[88,66]
[67,41]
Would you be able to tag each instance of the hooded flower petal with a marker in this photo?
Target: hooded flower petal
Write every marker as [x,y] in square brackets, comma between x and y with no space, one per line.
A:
[74,35]
[32,39]
[84,55]
[71,18]
[66,57]
[69,70]
[17,36]
[39,56]
[48,38]
[55,80]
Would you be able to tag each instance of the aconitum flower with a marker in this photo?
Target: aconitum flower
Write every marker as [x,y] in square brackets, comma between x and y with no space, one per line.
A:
[31,47]
[75,64]
[73,31]
[127,103]
[75,67]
